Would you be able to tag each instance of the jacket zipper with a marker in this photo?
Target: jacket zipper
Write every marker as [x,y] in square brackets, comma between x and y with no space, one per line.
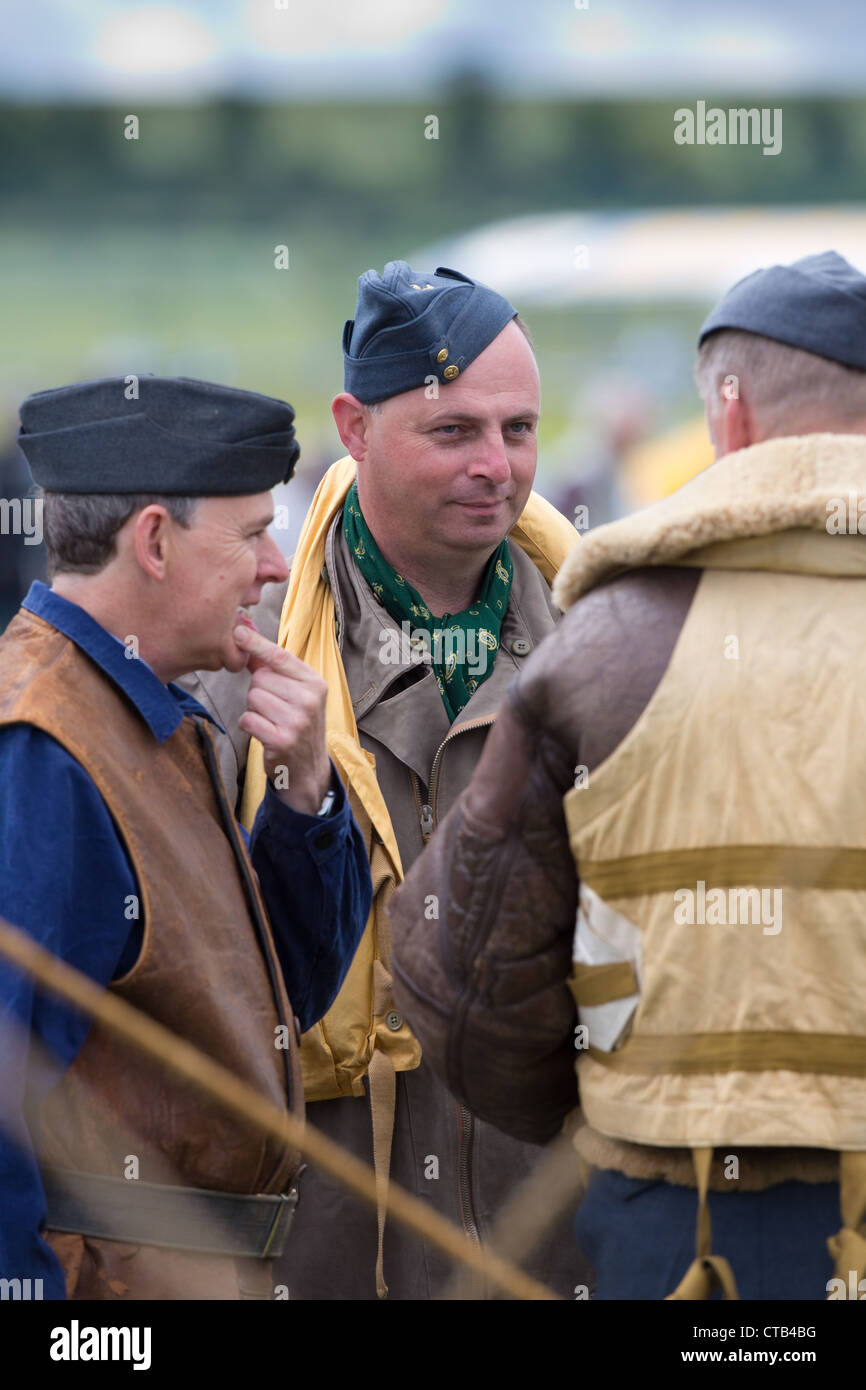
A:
[465,1118]
[427,810]
[424,812]
[480,723]
[465,1137]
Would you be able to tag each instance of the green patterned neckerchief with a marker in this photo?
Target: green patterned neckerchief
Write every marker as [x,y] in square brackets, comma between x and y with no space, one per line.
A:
[461,647]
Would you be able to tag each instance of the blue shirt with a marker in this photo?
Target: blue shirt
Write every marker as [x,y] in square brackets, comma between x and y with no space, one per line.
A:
[63,870]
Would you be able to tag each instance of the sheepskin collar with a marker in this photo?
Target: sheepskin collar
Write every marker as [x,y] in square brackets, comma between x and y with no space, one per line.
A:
[760,507]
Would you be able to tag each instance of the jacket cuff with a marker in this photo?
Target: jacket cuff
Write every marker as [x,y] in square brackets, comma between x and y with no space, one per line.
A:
[322,836]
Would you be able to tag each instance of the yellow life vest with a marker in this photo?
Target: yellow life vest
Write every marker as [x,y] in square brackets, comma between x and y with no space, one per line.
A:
[720,947]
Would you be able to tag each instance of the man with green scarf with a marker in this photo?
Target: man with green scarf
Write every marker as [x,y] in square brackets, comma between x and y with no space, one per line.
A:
[420,584]
[458,674]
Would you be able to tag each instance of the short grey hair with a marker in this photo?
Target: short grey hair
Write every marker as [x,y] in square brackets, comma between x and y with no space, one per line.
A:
[80,528]
[787,389]
[524,330]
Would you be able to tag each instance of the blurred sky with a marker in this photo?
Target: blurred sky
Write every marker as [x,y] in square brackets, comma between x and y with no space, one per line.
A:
[119,49]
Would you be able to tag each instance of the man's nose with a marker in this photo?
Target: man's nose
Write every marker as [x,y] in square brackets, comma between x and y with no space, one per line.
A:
[273,566]
[490,460]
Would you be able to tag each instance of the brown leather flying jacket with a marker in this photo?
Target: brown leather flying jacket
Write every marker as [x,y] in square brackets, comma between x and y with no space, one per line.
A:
[483,981]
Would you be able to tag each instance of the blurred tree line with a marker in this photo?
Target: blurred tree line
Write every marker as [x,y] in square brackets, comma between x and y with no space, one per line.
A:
[238,161]
[157,254]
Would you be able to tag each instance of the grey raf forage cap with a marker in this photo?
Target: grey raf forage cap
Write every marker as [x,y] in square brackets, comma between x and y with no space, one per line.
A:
[157,434]
[411,325]
[817,304]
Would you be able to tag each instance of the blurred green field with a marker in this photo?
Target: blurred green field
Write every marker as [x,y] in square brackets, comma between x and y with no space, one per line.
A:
[186,299]
[203,300]
[158,254]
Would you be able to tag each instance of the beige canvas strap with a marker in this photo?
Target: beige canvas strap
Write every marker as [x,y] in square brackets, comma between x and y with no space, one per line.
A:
[848,1246]
[600,984]
[723,866]
[383,1101]
[707,1271]
[690,1054]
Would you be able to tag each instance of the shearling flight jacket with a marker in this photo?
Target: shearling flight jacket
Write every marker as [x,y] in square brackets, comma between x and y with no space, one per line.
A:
[488,991]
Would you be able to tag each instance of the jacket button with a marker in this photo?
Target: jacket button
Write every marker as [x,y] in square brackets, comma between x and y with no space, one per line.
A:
[394,1021]
[325,576]
[521,646]
[325,841]
[297,1023]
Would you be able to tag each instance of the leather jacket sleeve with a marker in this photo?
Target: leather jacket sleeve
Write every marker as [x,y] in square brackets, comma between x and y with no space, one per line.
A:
[482,934]
[483,926]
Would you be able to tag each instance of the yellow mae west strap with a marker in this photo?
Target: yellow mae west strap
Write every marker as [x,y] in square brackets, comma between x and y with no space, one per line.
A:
[383,1102]
[693,1054]
[706,1272]
[727,866]
[600,984]
[848,1246]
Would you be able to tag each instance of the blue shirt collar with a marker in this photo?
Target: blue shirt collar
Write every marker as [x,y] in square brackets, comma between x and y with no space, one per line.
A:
[162,707]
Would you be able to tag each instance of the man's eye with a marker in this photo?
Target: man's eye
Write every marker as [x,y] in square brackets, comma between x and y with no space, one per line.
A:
[521,426]
[450,430]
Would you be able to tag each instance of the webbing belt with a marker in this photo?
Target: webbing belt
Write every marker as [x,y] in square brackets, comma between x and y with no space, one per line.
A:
[178,1218]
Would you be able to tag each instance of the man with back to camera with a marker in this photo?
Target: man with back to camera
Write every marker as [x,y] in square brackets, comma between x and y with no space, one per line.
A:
[685,765]
[420,583]
[120,851]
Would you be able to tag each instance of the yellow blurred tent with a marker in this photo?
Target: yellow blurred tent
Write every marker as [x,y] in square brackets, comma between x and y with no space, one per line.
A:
[658,466]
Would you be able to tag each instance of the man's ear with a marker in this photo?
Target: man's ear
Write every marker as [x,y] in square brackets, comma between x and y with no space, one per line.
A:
[149,536]
[732,426]
[353,424]
[737,425]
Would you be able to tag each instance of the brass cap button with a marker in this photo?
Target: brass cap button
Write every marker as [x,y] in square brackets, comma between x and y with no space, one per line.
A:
[442,355]
[450,372]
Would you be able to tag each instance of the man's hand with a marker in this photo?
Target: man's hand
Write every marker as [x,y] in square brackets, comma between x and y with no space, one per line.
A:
[286,713]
